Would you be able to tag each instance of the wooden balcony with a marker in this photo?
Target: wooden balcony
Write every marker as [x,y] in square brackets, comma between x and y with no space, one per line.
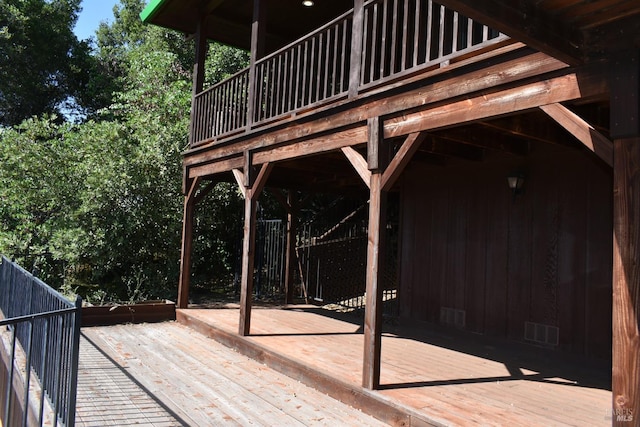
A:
[392,43]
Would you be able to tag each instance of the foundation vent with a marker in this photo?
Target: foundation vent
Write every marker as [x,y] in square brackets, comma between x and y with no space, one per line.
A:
[541,333]
[452,317]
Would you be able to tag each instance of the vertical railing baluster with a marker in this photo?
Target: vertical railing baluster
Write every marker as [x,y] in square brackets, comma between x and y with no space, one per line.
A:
[344,85]
[429,30]
[383,40]
[417,36]
[9,388]
[405,31]
[454,37]
[366,52]
[441,33]
[374,39]
[327,58]
[334,69]
[44,369]
[27,370]
[394,37]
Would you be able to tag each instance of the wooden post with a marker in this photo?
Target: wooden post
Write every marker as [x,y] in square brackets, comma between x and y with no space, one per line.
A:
[291,247]
[377,162]
[375,264]
[252,191]
[248,254]
[258,42]
[198,70]
[357,31]
[187,240]
[625,129]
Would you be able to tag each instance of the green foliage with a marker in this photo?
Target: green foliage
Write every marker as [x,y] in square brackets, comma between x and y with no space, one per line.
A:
[96,206]
[42,60]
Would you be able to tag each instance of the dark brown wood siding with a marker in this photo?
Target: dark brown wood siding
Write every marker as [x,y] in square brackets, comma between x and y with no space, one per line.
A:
[544,256]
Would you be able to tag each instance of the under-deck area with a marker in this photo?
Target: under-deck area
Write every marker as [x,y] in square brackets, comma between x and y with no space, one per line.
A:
[428,375]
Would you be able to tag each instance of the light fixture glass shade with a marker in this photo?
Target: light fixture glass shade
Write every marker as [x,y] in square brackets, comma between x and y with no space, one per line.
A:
[512,180]
[308,3]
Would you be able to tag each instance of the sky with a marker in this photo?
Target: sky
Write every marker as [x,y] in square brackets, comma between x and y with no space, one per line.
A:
[93,12]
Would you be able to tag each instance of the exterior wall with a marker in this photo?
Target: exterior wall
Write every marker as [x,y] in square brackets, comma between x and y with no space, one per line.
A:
[543,257]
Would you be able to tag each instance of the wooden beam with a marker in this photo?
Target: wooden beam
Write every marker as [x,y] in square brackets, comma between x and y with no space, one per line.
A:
[504,102]
[530,25]
[186,246]
[220,166]
[315,145]
[583,131]
[458,86]
[359,164]
[374,286]
[401,159]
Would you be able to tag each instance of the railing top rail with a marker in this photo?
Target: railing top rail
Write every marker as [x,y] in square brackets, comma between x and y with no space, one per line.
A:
[224,81]
[306,36]
[40,283]
[18,319]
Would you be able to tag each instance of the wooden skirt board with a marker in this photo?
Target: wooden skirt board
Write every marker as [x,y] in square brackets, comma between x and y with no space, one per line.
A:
[166,374]
[449,379]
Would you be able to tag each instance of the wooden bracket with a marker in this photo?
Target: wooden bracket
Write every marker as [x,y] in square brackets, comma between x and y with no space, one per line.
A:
[239,176]
[359,164]
[401,159]
[583,131]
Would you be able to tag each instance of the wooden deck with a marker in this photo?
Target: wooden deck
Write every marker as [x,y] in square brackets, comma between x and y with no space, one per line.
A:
[169,375]
[431,376]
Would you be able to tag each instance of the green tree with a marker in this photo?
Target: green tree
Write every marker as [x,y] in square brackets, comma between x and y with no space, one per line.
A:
[39,57]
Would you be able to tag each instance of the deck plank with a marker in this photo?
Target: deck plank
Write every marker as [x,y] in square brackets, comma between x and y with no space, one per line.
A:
[448,381]
[195,381]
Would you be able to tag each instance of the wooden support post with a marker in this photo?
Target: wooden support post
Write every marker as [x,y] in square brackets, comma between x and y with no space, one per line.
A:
[248,254]
[198,69]
[291,247]
[187,241]
[258,42]
[357,31]
[625,129]
[248,245]
[377,161]
[375,264]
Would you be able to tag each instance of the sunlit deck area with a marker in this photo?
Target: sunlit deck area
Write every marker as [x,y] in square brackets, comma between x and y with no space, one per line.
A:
[429,376]
[168,375]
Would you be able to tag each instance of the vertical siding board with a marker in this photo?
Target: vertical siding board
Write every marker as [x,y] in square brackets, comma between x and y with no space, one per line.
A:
[519,263]
[572,254]
[598,298]
[543,304]
[497,252]
[476,262]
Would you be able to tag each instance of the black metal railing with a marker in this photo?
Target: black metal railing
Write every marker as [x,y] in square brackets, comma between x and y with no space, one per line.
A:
[43,342]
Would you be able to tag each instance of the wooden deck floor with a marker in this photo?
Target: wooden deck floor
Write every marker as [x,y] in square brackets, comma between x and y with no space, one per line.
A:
[440,377]
[169,375]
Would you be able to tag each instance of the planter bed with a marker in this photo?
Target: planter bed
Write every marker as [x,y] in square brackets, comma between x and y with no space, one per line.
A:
[142,312]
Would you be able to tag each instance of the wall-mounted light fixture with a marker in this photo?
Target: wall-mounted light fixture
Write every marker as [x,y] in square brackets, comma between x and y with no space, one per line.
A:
[307,3]
[516,183]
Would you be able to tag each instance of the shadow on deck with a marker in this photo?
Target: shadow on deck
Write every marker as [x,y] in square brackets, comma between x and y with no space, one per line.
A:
[429,376]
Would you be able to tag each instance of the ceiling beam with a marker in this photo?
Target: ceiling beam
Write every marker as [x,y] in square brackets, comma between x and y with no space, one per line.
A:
[529,25]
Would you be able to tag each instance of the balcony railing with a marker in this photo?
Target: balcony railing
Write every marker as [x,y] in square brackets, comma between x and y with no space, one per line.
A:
[47,328]
[399,38]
